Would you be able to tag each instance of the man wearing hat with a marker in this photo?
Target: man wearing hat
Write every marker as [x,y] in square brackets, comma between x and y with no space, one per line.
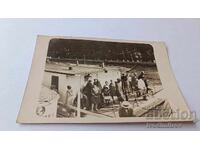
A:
[87,90]
[126,109]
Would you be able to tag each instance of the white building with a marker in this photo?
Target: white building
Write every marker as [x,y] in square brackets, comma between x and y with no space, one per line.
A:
[61,75]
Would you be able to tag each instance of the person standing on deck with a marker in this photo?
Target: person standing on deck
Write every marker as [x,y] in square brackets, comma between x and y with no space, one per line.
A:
[87,90]
[126,86]
[142,85]
[119,91]
[112,89]
[123,80]
[106,93]
[141,75]
[69,101]
[130,86]
[134,82]
[95,98]
[98,84]
[105,89]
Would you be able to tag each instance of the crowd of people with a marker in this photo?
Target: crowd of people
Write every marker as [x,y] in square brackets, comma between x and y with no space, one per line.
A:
[94,96]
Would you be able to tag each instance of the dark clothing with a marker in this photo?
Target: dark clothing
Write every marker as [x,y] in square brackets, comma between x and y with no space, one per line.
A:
[124,80]
[112,89]
[141,76]
[87,90]
[146,83]
[106,91]
[84,101]
[134,83]
[119,92]
[125,112]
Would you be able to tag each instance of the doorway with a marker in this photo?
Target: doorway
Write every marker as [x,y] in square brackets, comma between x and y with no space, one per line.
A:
[54,82]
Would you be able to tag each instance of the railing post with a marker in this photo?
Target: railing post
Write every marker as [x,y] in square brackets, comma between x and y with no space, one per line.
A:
[79,99]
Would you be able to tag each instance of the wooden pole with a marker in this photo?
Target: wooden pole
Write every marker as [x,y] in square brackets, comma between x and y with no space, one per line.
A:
[83,59]
[79,100]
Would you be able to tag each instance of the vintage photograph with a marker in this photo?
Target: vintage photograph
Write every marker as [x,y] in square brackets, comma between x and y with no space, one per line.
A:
[101,79]
[92,80]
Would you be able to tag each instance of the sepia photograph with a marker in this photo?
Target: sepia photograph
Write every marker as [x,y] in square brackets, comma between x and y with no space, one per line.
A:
[99,79]
[81,67]
[91,80]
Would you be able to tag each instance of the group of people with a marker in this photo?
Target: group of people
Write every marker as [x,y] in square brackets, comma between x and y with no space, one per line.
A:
[97,95]
[135,84]
[94,96]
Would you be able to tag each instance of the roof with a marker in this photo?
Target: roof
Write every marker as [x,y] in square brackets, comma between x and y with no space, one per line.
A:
[47,95]
[63,68]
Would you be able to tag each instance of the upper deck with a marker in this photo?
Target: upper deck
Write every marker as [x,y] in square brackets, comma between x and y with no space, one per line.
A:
[73,69]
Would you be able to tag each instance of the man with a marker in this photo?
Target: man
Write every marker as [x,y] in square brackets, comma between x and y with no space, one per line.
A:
[148,89]
[141,75]
[125,109]
[87,90]
[83,100]
[130,86]
[98,84]
[134,81]
[124,80]
[119,91]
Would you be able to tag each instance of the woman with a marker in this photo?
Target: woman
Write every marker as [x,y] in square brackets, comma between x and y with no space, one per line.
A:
[106,93]
[96,92]
[69,101]
[142,88]
[112,89]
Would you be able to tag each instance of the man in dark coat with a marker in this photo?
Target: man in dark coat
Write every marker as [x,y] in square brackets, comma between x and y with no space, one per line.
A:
[87,90]
[112,89]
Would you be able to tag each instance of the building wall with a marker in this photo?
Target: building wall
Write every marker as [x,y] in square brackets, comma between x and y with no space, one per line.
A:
[102,77]
[110,75]
[77,82]
[64,81]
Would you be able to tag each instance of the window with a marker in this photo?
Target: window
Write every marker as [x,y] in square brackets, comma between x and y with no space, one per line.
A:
[54,82]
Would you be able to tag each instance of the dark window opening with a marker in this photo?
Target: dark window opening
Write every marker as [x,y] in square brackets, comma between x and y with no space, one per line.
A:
[54,83]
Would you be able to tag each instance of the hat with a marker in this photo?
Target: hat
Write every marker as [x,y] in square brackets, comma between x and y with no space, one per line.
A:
[125,104]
